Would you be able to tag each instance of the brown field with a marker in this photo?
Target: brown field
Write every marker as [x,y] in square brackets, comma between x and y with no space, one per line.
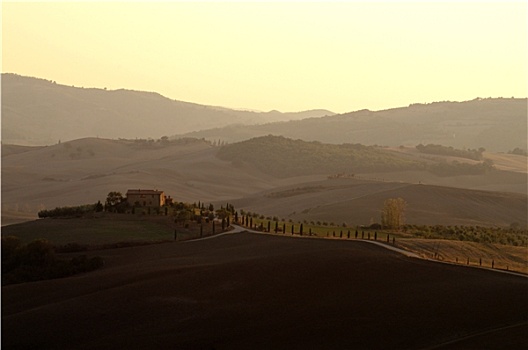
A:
[84,171]
[248,291]
[359,202]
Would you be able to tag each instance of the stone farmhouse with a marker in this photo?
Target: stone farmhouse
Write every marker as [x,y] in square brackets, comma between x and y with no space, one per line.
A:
[147,198]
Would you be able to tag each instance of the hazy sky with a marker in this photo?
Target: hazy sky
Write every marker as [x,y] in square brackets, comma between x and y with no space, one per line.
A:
[289,56]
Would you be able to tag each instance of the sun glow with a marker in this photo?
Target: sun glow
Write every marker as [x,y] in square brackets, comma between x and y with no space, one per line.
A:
[290,56]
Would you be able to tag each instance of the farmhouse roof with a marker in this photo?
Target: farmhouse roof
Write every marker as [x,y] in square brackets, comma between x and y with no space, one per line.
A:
[139,191]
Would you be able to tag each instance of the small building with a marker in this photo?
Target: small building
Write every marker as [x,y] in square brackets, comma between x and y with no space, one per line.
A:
[146,198]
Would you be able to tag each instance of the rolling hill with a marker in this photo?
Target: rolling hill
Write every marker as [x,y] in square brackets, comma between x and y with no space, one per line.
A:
[249,291]
[85,170]
[498,125]
[359,202]
[41,112]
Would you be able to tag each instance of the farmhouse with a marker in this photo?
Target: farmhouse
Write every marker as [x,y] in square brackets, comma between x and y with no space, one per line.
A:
[146,198]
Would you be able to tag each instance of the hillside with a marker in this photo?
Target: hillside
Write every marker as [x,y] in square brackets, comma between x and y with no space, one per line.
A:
[282,157]
[359,202]
[249,291]
[496,124]
[41,112]
[85,170]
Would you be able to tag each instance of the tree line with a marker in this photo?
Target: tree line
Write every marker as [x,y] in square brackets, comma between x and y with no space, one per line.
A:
[37,260]
[283,157]
[475,154]
[74,211]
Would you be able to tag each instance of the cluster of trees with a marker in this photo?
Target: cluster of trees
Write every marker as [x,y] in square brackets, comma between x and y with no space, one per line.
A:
[162,142]
[499,235]
[519,151]
[256,215]
[115,202]
[283,157]
[218,143]
[37,261]
[184,212]
[456,168]
[75,211]
[475,154]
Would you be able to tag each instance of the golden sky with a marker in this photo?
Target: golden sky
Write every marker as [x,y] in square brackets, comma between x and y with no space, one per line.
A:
[289,56]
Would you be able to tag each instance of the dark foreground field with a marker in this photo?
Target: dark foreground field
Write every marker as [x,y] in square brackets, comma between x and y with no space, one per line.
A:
[248,291]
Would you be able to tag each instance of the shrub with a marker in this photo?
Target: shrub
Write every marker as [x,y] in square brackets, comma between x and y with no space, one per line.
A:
[37,261]
[72,248]
[76,211]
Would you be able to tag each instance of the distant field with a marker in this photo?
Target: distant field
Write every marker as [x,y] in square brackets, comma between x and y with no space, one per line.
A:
[84,171]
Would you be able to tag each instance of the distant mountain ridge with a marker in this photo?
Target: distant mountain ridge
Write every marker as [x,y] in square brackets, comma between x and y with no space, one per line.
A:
[41,112]
[497,124]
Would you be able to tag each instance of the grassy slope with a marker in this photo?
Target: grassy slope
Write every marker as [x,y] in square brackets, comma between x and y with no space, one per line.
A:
[90,231]
[503,256]
[105,229]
